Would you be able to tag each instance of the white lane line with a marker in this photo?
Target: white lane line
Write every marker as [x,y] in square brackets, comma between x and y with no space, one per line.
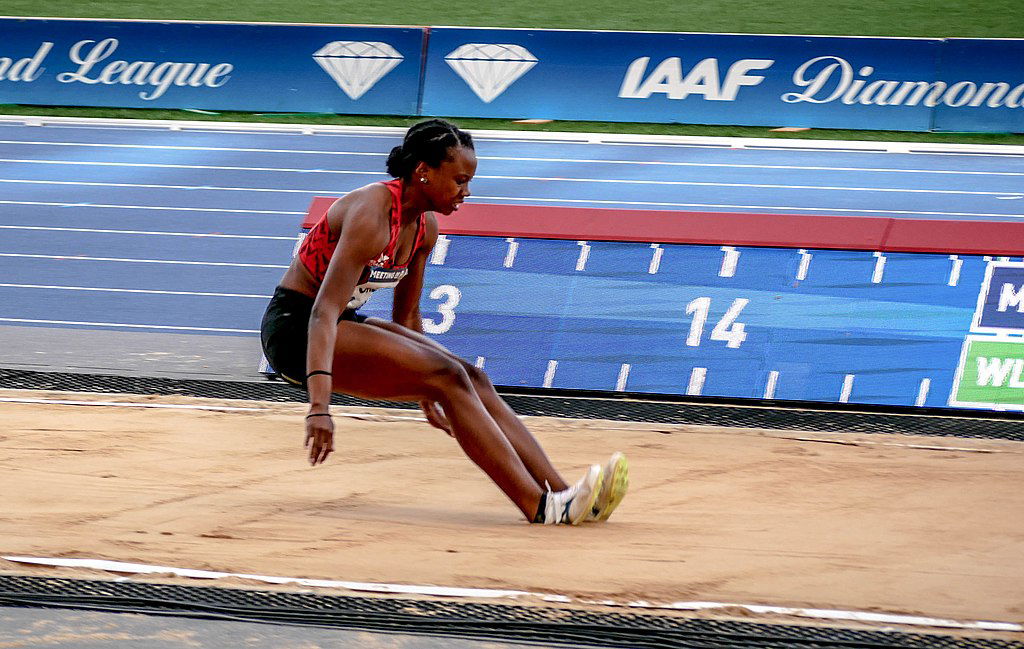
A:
[130,326]
[181,147]
[784,208]
[153,207]
[727,165]
[526,159]
[124,404]
[368,416]
[272,132]
[696,183]
[686,183]
[972,154]
[141,261]
[101,289]
[148,232]
[310,130]
[155,165]
[82,183]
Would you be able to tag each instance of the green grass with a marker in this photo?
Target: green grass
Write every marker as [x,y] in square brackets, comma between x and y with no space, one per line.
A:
[962,18]
[504,124]
[973,18]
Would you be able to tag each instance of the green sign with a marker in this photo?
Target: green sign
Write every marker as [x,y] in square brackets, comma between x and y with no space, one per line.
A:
[991,374]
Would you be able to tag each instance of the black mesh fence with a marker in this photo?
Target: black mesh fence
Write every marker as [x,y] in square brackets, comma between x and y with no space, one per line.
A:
[495,622]
[800,417]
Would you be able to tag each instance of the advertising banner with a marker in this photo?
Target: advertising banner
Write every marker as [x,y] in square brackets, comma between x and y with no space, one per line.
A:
[913,84]
[991,374]
[218,66]
[1001,301]
[836,82]
[980,86]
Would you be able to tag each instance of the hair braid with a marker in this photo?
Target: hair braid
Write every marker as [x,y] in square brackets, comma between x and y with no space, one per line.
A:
[428,141]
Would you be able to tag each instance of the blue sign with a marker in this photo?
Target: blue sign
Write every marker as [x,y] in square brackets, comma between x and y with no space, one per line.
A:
[837,82]
[914,84]
[1001,303]
[980,86]
[819,325]
[257,67]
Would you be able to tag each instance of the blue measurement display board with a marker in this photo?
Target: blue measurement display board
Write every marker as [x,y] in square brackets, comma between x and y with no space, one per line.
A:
[820,325]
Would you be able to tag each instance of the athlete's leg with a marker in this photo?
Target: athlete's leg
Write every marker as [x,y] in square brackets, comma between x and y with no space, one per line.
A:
[525,444]
[376,363]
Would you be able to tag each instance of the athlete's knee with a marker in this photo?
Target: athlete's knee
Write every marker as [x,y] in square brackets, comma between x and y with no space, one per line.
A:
[447,374]
[476,375]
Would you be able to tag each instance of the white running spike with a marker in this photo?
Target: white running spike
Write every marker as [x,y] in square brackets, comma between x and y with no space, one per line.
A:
[571,506]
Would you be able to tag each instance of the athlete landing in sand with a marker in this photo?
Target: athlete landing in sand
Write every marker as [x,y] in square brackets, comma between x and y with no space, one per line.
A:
[381,236]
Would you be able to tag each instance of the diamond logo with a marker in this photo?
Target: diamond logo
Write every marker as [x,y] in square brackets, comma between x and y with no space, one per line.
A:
[489,69]
[356,66]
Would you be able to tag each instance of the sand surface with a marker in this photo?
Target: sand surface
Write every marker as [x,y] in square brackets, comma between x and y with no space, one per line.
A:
[905,524]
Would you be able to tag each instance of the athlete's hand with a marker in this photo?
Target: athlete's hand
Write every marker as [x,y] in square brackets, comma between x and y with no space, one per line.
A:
[436,417]
[319,438]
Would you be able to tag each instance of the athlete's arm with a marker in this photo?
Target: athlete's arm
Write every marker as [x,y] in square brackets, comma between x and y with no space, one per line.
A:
[405,309]
[363,235]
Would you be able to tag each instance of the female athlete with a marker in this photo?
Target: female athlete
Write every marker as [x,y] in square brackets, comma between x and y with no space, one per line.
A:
[381,236]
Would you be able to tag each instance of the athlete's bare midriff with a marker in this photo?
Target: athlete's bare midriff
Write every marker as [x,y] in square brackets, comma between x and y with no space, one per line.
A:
[298,279]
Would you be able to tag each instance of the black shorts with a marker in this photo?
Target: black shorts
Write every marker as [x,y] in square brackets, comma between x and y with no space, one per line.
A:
[285,332]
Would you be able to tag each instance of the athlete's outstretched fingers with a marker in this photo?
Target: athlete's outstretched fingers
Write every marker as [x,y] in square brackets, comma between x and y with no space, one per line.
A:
[436,417]
[319,438]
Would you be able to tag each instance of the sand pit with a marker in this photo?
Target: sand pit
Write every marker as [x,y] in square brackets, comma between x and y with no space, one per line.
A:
[903,524]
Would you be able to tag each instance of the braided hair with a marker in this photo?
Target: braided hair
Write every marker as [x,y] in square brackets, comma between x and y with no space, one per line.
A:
[429,142]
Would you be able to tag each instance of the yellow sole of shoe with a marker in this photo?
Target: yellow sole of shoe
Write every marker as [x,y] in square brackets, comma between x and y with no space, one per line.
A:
[619,481]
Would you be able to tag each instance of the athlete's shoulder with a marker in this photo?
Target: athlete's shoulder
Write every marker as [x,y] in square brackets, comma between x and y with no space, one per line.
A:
[363,213]
[375,197]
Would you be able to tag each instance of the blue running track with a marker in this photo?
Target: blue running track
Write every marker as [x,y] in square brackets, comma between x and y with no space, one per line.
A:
[146,227]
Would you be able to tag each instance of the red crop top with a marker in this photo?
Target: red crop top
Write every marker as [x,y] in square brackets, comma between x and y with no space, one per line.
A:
[318,247]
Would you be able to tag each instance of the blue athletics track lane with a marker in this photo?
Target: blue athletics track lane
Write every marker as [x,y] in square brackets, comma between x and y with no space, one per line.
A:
[187,228]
